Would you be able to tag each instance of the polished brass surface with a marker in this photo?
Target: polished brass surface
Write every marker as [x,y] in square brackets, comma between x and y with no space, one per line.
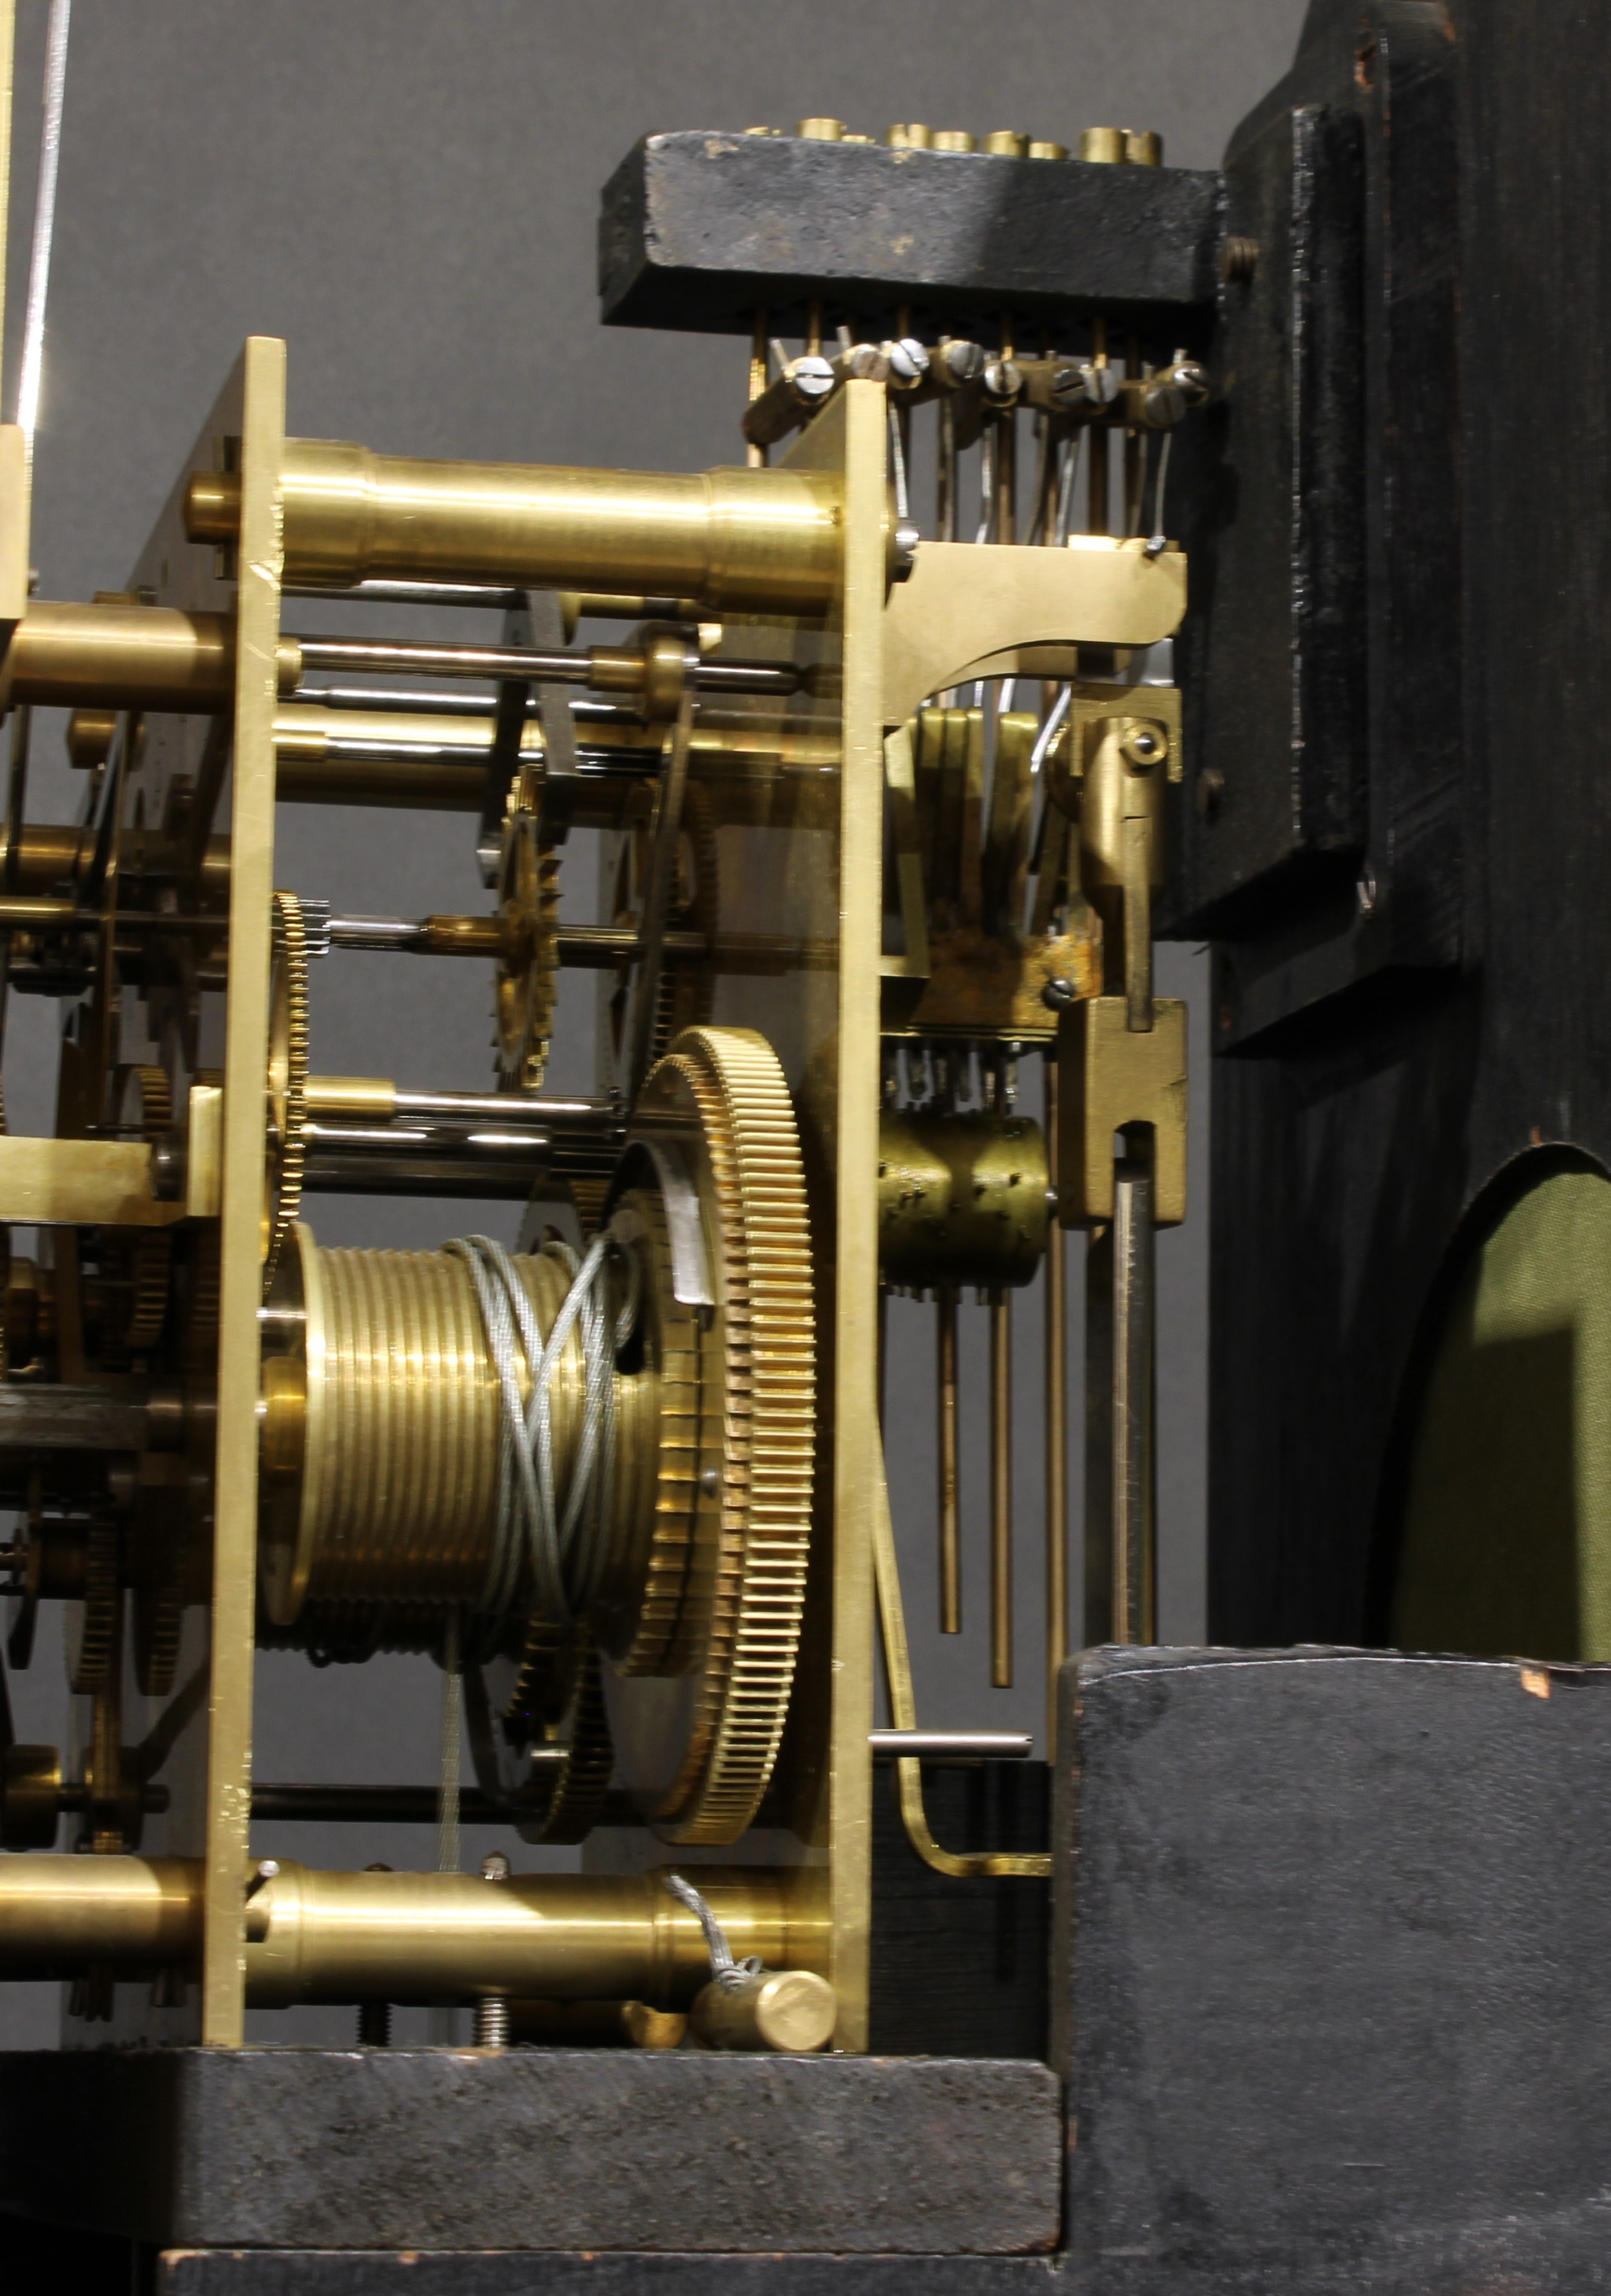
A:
[395,1481]
[1114,1078]
[314,1935]
[123,657]
[90,735]
[59,1914]
[80,1184]
[762,539]
[258,412]
[444,1936]
[966,612]
[373,1099]
[962,1199]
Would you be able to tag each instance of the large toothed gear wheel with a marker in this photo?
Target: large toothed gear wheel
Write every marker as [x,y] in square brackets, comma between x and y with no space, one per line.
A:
[696,1743]
[528,969]
[91,1622]
[287,1080]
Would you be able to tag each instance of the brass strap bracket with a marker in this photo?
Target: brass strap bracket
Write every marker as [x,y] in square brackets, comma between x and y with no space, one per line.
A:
[1112,1077]
[963,1865]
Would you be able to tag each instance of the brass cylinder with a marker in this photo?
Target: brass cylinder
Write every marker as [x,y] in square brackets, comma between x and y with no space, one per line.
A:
[338,1937]
[792,2011]
[769,540]
[58,1914]
[455,1937]
[394,1495]
[122,657]
[46,854]
[961,1199]
[373,1099]
[90,735]
[384,1424]
[303,731]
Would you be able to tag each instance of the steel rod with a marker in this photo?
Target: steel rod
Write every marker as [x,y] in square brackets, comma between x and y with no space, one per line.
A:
[1057,1420]
[1133,1323]
[955,1745]
[1001,1490]
[420,656]
[950,1533]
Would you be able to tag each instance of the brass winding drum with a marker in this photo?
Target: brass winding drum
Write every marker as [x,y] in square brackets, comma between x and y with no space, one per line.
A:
[680,1502]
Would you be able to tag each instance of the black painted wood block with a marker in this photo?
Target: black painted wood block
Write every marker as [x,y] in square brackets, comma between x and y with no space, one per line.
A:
[1335,1928]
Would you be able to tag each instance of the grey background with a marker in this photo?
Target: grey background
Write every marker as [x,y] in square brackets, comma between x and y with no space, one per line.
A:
[406,191]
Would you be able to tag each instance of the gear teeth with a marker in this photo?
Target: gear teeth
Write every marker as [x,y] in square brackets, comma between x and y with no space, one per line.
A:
[158,1622]
[677,1466]
[91,1622]
[755,1614]
[150,1267]
[287,1080]
[525,984]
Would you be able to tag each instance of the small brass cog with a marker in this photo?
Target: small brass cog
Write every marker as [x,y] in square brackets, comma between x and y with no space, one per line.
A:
[528,969]
[288,1023]
[150,1262]
[91,1622]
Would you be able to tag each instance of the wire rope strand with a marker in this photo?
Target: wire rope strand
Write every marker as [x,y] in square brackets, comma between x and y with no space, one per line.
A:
[44,222]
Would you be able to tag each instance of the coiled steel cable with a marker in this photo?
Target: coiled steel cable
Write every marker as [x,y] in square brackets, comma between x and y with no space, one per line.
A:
[556,1546]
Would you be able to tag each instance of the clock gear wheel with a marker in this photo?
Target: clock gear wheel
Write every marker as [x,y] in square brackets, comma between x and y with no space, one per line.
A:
[528,973]
[554,1703]
[731,1655]
[91,1622]
[686,990]
[287,1033]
